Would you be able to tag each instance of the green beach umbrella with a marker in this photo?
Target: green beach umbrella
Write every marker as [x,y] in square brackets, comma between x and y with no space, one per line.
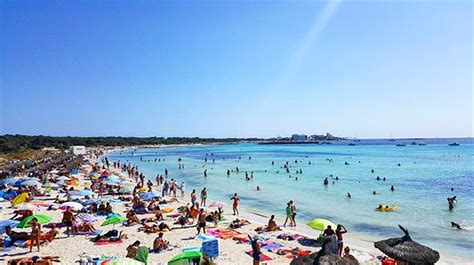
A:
[113,220]
[321,224]
[42,219]
[142,254]
[184,258]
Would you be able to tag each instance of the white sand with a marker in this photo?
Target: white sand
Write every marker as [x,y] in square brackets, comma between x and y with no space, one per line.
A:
[70,248]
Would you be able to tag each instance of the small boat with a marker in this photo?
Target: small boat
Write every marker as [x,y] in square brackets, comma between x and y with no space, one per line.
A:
[352,144]
[453,144]
[401,145]
[422,144]
[414,143]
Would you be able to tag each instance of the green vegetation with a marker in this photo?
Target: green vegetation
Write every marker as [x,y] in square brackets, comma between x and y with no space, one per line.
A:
[18,143]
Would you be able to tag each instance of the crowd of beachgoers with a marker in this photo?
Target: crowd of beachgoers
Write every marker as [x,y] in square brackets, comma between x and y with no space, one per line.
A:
[87,209]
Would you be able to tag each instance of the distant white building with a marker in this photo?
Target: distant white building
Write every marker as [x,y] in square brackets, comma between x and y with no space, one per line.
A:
[78,150]
[299,137]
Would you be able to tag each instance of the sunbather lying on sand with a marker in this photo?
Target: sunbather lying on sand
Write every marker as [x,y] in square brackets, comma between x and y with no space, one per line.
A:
[155,228]
[47,260]
[111,236]
[132,218]
[237,223]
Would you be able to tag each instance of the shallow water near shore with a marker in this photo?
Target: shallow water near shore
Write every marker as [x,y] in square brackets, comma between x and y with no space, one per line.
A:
[422,183]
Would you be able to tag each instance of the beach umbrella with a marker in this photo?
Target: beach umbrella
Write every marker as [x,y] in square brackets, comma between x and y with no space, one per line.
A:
[31,182]
[127,183]
[125,189]
[50,185]
[217,204]
[8,181]
[185,258]
[321,224]
[42,219]
[405,249]
[83,193]
[26,206]
[63,178]
[20,199]
[142,254]
[125,261]
[87,218]
[71,205]
[113,220]
[5,223]
[149,195]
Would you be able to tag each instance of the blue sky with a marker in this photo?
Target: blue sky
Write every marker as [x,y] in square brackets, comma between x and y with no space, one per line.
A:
[236,68]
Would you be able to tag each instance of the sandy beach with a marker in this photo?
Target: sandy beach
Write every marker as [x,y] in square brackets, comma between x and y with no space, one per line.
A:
[70,249]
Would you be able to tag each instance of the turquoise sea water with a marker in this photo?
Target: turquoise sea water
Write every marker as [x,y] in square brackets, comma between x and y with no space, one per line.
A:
[422,183]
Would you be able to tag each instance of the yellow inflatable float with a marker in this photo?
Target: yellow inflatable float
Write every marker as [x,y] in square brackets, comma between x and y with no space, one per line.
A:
[385,208]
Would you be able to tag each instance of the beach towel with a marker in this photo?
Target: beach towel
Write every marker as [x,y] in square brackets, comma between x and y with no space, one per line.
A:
[272,246]
[101,243]
[8,249]
[263,257]
[173,215]
[214,233]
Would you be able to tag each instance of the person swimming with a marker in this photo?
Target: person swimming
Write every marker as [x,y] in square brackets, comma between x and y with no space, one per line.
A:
[326,181]
[378,178]
[373,171]
[392,188]
[349,195]
[258,188]
[456,225]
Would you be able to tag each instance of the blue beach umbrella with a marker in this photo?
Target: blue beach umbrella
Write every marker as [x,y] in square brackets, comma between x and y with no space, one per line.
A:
[149,195]
[8,181]
[83,193]
[10,223]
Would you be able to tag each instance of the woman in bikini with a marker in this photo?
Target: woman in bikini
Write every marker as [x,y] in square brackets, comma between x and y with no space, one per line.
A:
[203,197]
[35,234]
[339,231]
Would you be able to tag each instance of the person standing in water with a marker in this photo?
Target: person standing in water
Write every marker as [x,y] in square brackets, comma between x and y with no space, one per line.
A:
[205,172]
[339,231]
[235,204]
[203,196]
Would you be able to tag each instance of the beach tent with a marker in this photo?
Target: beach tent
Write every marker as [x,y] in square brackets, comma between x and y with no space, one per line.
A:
[186,258]
[20,199]
[42,219]
[321,224]
[407,250]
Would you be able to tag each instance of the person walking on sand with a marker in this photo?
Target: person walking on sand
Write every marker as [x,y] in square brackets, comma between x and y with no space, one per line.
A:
[68,219]
[35,233]
[339,231]
[201,221]
[235,204]
[289,215]
[203,197]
